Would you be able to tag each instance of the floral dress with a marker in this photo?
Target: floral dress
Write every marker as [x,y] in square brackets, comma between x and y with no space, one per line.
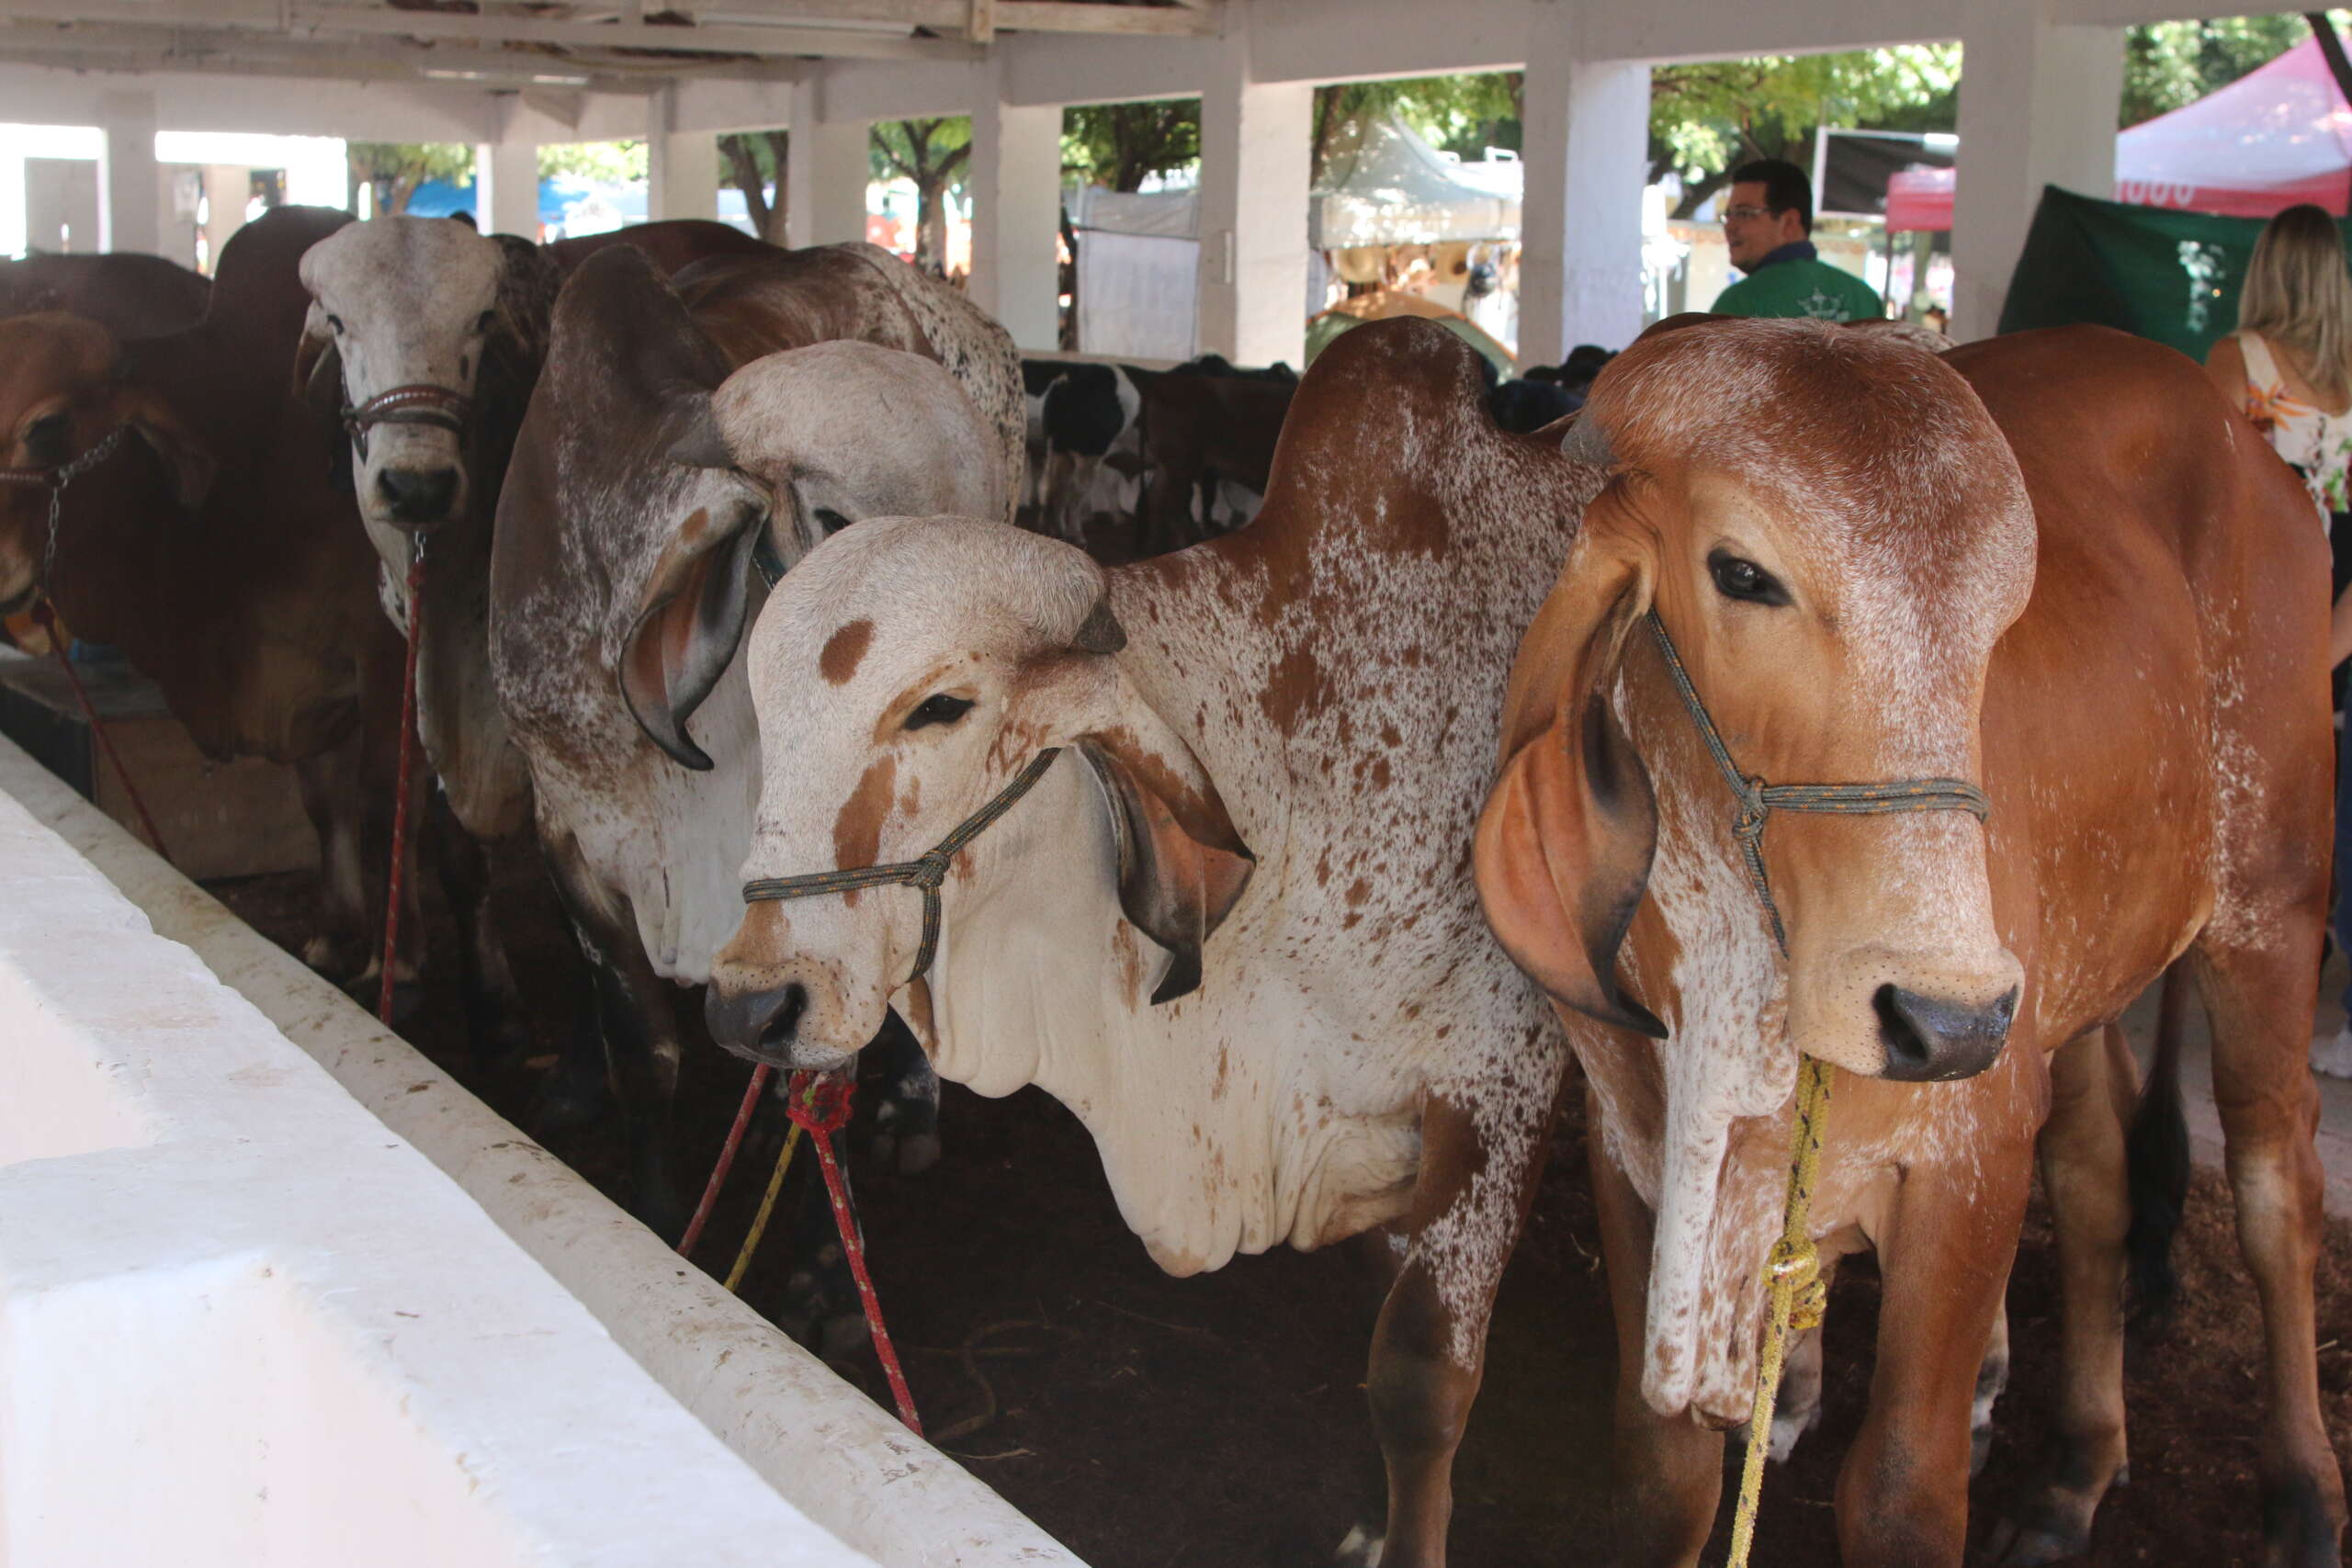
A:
[2317,446]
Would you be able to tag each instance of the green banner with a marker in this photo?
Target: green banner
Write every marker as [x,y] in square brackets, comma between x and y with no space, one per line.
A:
[2169,275]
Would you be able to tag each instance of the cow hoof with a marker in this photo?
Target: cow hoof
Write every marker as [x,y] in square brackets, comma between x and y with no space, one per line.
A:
[2301,1525]
[342,962]
[1360,1549]
[408,999]
[839,1337]
[2044,1530]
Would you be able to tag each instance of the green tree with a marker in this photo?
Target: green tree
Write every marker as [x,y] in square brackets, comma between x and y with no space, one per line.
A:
[748,161]
[2167,64]
[606,163]
[932,154]
[1463,114]
[1121,145]
[396,168]
[1708,119]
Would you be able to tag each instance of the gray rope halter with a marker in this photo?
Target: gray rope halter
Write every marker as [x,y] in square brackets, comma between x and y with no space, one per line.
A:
[1758,798]
[925,871]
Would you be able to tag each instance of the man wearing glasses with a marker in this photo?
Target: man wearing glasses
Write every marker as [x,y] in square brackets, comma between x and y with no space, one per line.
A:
[1766,227]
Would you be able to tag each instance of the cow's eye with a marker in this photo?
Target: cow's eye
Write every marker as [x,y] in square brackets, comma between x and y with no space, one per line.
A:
[486,321]
[45,437]
[334,324]
[1736,577]
[938,708]
[831,522]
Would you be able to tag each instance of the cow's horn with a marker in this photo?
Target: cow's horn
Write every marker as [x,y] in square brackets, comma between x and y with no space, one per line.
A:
[1587,442]
[1101,631]
[702,445]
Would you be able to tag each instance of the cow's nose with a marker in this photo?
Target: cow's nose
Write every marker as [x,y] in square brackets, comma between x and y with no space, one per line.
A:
[1929,1039]
[755,1023]
[417,495]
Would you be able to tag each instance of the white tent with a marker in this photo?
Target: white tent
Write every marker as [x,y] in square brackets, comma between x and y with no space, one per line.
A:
[1385,186]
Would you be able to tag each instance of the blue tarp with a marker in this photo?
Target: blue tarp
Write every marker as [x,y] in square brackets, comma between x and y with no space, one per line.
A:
[563,197]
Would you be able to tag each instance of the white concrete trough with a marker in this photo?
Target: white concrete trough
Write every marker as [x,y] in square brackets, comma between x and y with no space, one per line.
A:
[270,1305]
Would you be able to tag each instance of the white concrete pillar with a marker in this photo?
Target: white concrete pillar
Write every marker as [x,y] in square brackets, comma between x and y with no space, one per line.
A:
[2038,103]
[506,189]
[1255,165]
[682,167]
[1585,152]
[128,179]
[1016,179]
[825,173]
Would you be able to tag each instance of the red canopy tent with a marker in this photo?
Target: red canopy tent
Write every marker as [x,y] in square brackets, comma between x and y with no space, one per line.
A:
[2277,136]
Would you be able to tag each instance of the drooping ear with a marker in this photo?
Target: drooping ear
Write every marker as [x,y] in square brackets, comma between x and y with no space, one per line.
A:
[1564,846]
[1182,864]
[318,386]
[687,626]
[149,418]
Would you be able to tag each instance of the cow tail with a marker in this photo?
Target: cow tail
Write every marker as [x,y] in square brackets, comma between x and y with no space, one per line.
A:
[2157,1162]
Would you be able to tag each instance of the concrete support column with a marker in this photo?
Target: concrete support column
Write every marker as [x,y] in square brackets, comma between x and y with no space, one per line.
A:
[129,219]
[825,173]
[1255,161]
[681,166]
[1586,150]
[2038,106]
[1016,173]
[506,187]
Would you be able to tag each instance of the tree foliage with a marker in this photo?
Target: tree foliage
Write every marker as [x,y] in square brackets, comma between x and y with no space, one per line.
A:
[1707,119]
[2168,64]
[1121,145]
[748,161]
[605,163]
[1462,115]
[933,155]
[397,168]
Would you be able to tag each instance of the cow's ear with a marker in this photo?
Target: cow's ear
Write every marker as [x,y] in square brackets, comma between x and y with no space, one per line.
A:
[149,417]
[318,386]
[689,622]
[1564,846]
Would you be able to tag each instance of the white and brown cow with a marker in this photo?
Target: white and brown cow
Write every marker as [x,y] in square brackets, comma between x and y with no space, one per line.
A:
[1232,926]
[2056,565]
[645,507]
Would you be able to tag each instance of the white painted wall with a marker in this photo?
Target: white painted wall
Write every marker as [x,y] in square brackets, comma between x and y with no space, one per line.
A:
[1016,185]
[244,1321]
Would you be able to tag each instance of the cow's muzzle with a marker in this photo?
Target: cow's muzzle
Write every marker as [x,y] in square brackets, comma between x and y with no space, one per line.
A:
[1931,1039]
[416,499]
[764,1026]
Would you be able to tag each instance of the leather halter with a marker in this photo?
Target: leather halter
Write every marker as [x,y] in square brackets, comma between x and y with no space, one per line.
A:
[925,871]
[418,403]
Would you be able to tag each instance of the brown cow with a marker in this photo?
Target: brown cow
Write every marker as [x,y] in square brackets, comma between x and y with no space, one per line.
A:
[1197,430]
[129,294]
[1834,531]
[207,543]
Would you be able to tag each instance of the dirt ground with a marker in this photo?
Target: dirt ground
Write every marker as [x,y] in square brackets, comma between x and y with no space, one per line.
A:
[1219,1422]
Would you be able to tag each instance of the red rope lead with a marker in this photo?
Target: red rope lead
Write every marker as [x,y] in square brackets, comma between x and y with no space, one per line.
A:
[400,793]
[822,1107]
[760,1075]
[46,619]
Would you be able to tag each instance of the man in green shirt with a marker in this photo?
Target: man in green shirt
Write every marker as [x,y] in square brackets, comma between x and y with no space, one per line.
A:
[1767,227]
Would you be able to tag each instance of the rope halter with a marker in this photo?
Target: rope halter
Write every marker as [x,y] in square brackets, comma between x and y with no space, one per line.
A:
[925,871]
[420,403]
[1795,1293]
[1757,799]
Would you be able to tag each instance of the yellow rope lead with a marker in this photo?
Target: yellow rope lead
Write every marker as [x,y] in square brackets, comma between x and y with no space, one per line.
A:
[768,1207]
[1797,1296]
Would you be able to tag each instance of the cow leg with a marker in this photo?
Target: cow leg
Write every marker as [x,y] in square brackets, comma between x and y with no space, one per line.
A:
[496,1026]
[2259,1001]
[906,1107]
[1796,1409]
[1478,1175]
[2081,1156]
[1668,1469]
[1903,1493]
[638,1025]
[1992,1379]
[332,798]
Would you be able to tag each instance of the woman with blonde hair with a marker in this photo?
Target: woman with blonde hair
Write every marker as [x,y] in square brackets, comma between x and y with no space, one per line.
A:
[2289,366]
